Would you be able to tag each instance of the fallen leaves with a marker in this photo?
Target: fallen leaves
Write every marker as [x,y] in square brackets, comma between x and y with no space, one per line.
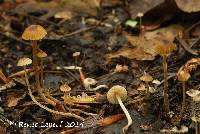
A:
[144,48]
[13,99]
[110,120]
[188,5]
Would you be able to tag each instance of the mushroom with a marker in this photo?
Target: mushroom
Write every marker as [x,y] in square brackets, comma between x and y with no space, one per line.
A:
[66,89]
[196,119]
[23,62]
[182,129]
[164,51]
[147,78]
[34,33]
[116,95]
[140,15]
[41,54]
[75,55]
[183,76]
[195,94]
[26,61]
[87,82]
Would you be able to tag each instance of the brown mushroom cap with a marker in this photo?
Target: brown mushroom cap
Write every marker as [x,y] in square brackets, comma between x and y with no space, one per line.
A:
[183,75]
[65,88]
[116,90]
[146,77]
[165,49]
[41,54]
[24,62]
[34,32]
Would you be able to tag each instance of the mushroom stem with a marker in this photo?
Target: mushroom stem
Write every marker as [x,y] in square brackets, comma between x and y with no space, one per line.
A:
[125,128]
[42,74]
[35,63]
[76,61]
[46,108]
[37,74]
[196,127]
[183,102]
[165,90]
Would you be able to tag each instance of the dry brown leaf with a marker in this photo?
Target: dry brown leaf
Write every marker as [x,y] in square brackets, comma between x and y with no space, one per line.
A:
[188,5]
[110,120]
[131,53]
[168,33]
[20,73]
[12,99]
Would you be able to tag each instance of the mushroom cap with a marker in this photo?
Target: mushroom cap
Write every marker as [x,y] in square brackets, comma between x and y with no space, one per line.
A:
[76,54]
[196,118]
[34,32]
[41,54]
[146,77]
[165,49]
[193,92]
[140,14]
[89,81]
[196,98]
[24,62]
[65,88]
[183,75]
[116,90]
[182,129]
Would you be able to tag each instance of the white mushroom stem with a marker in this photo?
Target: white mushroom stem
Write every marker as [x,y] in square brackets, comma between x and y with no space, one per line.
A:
[46,108]
[125,128]
[88,88]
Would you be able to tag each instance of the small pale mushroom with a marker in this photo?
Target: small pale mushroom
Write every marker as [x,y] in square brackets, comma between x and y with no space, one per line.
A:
[182,129]
[88,82]
[66,89]
[116,95]
[183,76]
[75,55]
[195,94]
[41,54]
[147,78]
[23,62]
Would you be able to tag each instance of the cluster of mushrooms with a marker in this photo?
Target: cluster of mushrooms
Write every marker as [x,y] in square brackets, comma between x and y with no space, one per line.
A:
[116,95]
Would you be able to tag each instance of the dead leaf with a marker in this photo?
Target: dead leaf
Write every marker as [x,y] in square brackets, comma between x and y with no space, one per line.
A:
[12,99]
[136,6]
[20,73]
[168,33]
[131,53]
[110,120]
[188,5]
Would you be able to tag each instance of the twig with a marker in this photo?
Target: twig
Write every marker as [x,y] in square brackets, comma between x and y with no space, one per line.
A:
[79,31]
[186,47]
[46,108]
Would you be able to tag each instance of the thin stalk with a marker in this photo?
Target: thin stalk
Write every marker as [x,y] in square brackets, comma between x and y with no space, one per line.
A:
[37,74]
[46,108]
[125,128]
[42,74]
[183,102]
[165,90]
[196,127]
[35,63]
[76,61]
